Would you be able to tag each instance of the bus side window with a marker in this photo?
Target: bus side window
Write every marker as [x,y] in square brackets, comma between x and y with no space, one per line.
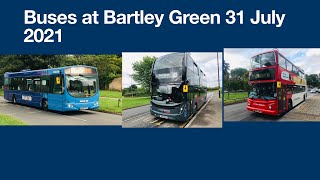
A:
[36,84]
[29,85]
[57,84]
[45,84]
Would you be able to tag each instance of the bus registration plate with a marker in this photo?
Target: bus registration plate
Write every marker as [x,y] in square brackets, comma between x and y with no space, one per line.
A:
[84,108]
[257,111]
[164,117]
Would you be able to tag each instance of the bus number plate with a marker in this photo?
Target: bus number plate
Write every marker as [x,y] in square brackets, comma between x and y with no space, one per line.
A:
[164,117]
[84,108]
[257,111]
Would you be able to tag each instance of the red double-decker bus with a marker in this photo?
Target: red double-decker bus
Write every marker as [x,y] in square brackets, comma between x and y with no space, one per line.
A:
[278,85]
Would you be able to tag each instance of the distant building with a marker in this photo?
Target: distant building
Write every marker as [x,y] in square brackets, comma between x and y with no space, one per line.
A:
[116,84]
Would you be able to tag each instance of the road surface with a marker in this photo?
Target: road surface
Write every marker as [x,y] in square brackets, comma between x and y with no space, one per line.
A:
[238,112]
[140,117]
[34,116]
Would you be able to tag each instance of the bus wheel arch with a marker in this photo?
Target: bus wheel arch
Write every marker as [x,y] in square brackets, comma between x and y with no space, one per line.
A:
[290,106]
[14,99]
[44,104]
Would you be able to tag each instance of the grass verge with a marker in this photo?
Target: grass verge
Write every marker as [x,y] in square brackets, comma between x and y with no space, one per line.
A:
[110,106]
[235,97]
[1,92]
[110,94]
[6,120]
[135,102]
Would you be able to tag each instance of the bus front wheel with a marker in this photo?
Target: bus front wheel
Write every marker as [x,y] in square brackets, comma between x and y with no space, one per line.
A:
[14,100]
[290,105]
[45,105]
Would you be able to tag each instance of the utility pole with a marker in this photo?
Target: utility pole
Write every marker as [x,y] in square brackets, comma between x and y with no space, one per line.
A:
[218,75]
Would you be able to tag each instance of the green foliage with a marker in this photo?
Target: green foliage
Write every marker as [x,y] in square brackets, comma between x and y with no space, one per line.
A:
[135,102]
[226,68]
[109,66]
[1,92]
[238,73]
[142,72]
[313,80]
[235,97]
[237,80]
[110,105]
[110,94]
[6,120]
[138,92]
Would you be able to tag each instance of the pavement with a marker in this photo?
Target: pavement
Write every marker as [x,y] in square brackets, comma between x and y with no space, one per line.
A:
[140,117]
[34,116]
[308,111]
[210,116]
[238,112]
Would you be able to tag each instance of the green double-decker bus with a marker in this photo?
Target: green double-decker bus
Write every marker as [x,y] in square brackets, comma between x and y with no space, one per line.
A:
[178,87]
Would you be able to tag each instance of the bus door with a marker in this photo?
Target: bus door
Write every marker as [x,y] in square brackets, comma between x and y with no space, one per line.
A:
[56,95]
[282,97]
[190,96]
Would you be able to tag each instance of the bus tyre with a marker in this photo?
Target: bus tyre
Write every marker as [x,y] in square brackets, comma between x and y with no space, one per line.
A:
[14,100]
[45,105]
[290,105]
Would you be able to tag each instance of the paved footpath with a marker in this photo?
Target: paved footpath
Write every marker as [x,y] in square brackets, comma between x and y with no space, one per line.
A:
[307,111]
[211,114]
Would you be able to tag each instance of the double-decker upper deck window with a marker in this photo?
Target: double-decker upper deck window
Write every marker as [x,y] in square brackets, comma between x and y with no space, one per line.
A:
[289,66]
[282,62]
[263,60]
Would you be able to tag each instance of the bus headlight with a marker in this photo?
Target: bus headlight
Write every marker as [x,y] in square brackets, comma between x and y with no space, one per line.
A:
[96,103]
[249,103]
[70,105]
[270,107]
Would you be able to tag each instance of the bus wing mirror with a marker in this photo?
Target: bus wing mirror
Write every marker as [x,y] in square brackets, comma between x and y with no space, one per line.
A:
[187,81]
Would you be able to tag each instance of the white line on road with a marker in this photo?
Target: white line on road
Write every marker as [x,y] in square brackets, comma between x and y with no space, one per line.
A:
[75,118]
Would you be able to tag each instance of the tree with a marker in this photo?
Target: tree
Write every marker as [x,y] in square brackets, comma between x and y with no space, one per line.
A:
[226,68]
[109,66]
[142,72]
[238,73]
[313,80]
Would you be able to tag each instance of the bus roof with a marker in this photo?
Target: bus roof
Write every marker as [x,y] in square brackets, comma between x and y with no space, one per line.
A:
[58,68]
[276,50]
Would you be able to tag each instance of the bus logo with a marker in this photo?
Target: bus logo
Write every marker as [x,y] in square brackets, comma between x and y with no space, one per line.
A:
[285,75]
[26,98]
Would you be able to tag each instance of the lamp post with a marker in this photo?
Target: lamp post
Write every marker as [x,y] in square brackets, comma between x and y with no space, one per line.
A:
[218,75]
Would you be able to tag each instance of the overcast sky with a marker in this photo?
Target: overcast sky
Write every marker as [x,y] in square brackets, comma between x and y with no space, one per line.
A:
[307,59]
[206,61]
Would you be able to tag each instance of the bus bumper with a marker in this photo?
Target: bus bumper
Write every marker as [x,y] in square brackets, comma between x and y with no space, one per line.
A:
[80,106]
[262,111]
[176,117]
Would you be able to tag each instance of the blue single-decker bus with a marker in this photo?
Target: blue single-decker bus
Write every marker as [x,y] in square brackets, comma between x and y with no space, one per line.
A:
[63,89]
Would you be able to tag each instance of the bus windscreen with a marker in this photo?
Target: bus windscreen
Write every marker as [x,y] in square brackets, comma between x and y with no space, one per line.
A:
[168,69]
[263,60]
[263,91]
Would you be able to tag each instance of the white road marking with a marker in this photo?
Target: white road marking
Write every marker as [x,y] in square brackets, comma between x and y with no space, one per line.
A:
[75,118]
